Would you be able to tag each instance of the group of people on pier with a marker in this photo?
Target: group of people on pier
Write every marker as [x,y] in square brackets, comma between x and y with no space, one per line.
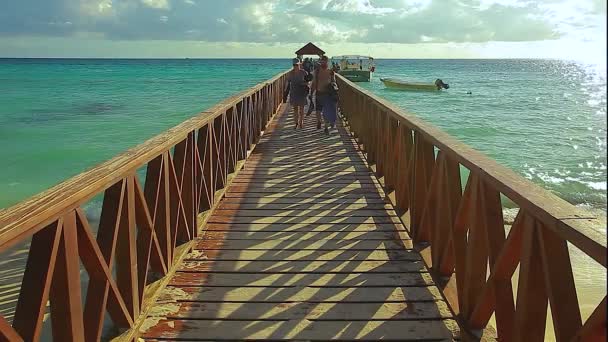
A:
[313,85]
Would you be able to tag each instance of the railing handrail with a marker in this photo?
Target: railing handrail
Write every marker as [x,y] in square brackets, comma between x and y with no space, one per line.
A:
[43,208]
[571,223]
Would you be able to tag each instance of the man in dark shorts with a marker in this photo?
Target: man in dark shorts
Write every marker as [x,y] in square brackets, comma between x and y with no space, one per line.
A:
[298,91]
[321,83]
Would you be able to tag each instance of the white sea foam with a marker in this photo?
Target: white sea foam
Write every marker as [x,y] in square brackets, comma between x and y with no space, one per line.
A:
[545,177]
[596,185]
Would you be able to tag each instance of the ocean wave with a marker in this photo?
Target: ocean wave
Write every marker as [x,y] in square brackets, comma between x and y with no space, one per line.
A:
[597,185]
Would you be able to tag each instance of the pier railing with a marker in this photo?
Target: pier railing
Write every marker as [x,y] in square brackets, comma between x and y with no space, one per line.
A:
[144,229]
[461,234]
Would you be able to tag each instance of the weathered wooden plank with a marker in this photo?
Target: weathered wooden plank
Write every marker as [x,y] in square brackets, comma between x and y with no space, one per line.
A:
[285,147]
[303,245]
[275,170]
[304,181]
[236,235]
[300,207]
[368,280]
[287,143]
[307,255]
[390,294]
[302,330]
[312,311]
[280,187]
[285,191]
[303,227]
[339,150]
[302,167]
[329,161]
[341,200]
[338,153]
[285,174]
[323,152]
[313,219]
[343,194]
[326,158]
[297,141]
[234,213]
[299,266]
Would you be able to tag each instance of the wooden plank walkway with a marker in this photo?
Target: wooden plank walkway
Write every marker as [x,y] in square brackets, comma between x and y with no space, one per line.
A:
[302,247]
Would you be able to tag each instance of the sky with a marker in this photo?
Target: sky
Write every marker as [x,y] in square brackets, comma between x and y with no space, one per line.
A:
[565,29]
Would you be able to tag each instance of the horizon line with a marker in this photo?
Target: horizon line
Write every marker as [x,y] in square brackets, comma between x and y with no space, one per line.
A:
[282,58]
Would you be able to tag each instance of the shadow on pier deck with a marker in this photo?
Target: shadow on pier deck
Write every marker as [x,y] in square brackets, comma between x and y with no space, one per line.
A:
[233,225]
[303,246]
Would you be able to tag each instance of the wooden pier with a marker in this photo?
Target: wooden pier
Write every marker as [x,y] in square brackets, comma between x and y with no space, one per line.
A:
[235,226]
[303,246]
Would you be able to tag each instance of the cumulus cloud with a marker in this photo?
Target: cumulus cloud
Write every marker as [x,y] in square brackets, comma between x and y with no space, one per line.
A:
[356,6]
[321,30]
[159,4]
[286,21]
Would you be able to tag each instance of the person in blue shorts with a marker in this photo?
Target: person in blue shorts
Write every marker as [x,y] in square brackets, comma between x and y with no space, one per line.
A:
[330,108]
[322,80]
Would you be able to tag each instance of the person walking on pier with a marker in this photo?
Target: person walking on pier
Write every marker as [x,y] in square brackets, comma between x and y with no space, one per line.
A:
[307,65]
[330,107]
[297,88]
[321,84]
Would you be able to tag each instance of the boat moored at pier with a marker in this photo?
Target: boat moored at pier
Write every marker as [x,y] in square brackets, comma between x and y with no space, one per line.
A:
[355,68]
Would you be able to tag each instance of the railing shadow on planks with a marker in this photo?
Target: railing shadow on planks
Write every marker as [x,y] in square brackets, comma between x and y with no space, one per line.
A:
[144,231]
[461,235]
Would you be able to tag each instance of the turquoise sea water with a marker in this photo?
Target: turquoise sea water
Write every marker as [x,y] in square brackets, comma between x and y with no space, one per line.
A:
[545,119]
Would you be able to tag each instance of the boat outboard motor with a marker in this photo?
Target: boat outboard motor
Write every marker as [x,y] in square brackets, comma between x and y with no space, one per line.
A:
[439,83]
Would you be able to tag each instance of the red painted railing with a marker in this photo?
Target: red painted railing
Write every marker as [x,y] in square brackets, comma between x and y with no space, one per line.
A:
[144,229]
[461,234]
